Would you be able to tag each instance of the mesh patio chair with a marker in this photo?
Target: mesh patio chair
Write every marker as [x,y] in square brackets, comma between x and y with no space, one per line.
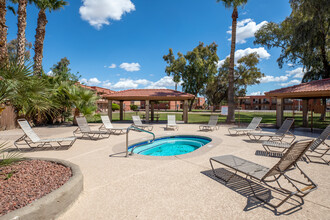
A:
[31,138]
[85,130]
[107,126]
[278,135]
[315,151]
[171,122]
[283,170]
[138,123]
[253,126]
[212,125]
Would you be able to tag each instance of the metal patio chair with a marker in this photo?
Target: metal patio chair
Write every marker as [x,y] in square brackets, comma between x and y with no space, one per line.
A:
[85,130]
[278,135]
[171,122]
[138,123]
[107,126]
[253,126]
[30,137]
[212,124]
[315,151]
[258,174]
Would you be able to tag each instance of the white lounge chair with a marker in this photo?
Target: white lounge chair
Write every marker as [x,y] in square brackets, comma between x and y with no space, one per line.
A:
[253,126]
[171,122]
[30,137]
[212,125]
[85,130]
[138,123]
[278,135]
[107,126]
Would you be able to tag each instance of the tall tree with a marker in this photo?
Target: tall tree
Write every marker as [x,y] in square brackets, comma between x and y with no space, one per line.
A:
[303,37]
[3,33]
[195,68]
[12,50]
[21,26]
[43,5]
[231,100]
[246,73]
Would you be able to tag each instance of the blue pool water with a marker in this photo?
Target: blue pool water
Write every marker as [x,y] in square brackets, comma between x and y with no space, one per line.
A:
[170,146]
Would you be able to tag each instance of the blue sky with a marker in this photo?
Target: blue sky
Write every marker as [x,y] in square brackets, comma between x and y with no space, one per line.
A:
[119,44]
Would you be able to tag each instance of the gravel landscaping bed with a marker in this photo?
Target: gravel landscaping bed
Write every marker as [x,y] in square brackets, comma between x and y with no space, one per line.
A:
[31,180]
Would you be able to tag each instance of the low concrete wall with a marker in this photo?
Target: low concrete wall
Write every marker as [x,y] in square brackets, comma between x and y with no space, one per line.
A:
[55,203]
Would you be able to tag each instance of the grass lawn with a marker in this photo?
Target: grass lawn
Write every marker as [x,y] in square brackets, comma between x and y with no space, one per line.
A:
[203,117]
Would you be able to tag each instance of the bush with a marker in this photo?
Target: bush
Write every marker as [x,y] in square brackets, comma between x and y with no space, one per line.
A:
[134,107]
[115,107]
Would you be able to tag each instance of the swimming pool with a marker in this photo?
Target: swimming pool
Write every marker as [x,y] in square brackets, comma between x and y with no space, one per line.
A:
[170,146]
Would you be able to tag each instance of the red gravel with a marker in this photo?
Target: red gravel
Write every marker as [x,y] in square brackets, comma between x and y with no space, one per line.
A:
[32,180]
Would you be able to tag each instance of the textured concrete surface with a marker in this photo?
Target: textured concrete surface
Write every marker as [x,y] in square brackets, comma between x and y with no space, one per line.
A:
[178,187]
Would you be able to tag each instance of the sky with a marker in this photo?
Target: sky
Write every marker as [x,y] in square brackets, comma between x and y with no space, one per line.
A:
[120,44]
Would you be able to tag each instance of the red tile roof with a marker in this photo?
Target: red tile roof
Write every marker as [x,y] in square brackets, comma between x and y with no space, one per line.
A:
[99,90]
[317,88]
[149,94]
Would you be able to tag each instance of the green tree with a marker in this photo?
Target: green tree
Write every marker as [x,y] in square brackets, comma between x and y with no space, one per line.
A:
[83,101]
[246,73]
[231,101]
[303,37]
[13,48]
[195,68]
[43,5]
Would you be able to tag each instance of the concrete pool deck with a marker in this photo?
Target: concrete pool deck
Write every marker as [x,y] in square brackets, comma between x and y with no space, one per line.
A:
[177,187]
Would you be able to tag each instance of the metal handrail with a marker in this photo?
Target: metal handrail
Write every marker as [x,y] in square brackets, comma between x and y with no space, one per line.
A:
[134,128]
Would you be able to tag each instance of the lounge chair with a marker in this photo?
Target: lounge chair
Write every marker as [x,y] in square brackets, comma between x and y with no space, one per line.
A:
[171,122]
[138,123]
[30,137]
[85,130]
[278,135]
[212,125]
[274,176]
[315,151]
[107,126]
[254,125]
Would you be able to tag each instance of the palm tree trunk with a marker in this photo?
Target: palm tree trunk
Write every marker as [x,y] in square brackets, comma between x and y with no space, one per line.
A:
[39,42]
[21,26]
[3,33]
[231,101]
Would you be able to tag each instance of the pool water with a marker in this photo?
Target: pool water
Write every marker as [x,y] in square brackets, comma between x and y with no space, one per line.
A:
[170,146]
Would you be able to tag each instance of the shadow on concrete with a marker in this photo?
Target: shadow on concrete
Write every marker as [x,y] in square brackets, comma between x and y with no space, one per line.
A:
[242,186]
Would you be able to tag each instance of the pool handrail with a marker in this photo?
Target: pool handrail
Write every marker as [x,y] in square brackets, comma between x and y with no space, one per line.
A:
[134,128]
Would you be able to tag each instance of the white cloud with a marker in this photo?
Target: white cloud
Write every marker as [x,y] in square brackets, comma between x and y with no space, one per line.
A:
[50,73]
[130,84]
[292,82]
[142,82]
[99,12]
[263,54]
[164,82]
[106,84]
[296,73]
[246,29]
[130,67]
[112,66]
[267,79]
[258,93]
[91,82]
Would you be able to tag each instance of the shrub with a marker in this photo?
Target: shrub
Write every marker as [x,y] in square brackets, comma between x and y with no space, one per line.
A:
[115,107]
[134,107]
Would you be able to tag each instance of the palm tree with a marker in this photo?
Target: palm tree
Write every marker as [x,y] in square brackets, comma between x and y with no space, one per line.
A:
[3,33]
[21,26]
[231,102]
[43,5]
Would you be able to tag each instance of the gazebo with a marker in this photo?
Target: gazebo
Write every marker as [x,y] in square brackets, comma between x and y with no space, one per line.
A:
[150,96]
[305,91]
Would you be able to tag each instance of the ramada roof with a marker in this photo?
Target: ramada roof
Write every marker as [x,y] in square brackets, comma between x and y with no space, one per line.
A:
[149,94]
[313,89]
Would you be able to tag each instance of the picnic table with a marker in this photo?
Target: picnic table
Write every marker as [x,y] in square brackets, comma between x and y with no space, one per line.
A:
[156,116]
